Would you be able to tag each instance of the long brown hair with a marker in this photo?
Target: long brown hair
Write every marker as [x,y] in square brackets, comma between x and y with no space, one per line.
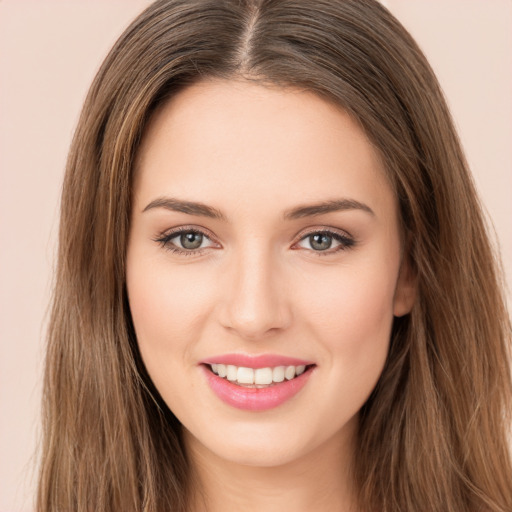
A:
[433,435]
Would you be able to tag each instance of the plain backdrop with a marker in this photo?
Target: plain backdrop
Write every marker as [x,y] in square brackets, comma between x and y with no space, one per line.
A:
[49,53]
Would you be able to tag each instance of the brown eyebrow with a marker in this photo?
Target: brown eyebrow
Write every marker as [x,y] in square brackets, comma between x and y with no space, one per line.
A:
[333,205]
[190,207]
[203,210]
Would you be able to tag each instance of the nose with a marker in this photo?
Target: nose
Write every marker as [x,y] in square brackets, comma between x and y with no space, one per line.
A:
[255,302]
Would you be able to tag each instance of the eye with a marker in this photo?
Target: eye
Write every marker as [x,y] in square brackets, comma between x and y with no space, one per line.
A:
[185,241]
[326,242]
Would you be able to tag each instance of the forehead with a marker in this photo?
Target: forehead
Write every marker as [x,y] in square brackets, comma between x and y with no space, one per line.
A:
[237,141]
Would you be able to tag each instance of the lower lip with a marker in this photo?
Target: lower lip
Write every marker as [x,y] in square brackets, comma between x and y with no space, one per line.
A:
[255,399]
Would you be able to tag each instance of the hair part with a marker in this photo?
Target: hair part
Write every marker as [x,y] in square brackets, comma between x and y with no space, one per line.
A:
[433,435]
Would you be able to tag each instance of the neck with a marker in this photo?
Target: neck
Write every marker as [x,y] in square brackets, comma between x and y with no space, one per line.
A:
[317,481]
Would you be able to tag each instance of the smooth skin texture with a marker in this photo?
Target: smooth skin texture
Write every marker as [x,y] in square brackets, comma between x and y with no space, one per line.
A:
[259,282]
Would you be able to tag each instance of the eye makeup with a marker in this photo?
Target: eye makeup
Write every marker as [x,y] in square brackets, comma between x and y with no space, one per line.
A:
[166,241]
[320,238]
[322,242]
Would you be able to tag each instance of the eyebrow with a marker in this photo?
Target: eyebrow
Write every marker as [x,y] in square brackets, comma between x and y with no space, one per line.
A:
[190,207]
[307,210]
[333,205]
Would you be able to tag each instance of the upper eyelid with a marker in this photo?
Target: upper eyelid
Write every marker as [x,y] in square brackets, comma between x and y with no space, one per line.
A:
[186,229]
[338,231]
[169,234]
[209,234]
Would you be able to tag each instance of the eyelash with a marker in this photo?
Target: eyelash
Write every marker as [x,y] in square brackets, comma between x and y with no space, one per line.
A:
[165,241]
[345,241]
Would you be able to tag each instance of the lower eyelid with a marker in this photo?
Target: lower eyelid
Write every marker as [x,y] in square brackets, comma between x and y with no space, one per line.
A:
[344,241]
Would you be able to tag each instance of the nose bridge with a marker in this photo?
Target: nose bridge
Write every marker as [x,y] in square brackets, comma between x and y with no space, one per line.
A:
[256,302]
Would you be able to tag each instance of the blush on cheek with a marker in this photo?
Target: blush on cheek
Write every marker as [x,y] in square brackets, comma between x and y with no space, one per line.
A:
[356,322]
[167,309]
[353,305]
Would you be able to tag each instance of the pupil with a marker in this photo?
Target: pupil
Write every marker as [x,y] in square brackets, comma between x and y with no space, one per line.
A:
[191,240]
[320,242]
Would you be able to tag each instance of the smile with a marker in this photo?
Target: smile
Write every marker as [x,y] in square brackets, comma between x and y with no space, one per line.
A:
[259,377]
[256,389]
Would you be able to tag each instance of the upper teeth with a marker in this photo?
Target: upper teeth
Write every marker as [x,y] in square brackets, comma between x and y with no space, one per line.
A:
[243,375]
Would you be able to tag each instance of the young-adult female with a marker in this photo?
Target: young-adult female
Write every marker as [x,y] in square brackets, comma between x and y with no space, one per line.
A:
[275,288]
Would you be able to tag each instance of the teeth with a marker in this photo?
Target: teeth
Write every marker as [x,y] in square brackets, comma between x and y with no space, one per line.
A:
[263,376]
[289,373]
[231,372]
[245,375]
[278,374]
[259,376]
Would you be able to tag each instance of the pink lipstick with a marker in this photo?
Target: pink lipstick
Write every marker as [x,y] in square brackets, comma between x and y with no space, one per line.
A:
[256,383]
[261,361]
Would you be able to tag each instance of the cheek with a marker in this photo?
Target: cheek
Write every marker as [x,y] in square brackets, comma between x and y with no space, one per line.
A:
[352,304]
[166,313]
[163,298]
[352,319]
[168,307]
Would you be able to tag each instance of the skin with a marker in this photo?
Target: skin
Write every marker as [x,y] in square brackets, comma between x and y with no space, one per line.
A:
[259,285]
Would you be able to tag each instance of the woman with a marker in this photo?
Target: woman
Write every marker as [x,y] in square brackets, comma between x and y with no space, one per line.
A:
[275,287]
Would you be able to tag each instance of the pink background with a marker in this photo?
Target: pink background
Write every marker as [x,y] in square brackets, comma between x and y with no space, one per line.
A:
[49,52]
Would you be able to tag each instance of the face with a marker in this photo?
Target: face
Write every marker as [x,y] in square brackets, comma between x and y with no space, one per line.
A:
[264,243]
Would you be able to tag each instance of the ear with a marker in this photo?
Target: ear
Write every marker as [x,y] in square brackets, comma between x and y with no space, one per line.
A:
[406,288]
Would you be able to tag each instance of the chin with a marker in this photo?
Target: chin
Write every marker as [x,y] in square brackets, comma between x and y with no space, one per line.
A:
[259,453]
[270,444]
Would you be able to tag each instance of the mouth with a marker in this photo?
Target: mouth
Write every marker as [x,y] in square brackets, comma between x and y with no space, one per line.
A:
[257,378]
[256,389]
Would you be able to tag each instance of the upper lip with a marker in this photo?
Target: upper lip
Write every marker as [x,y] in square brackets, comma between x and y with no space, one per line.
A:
[256,361]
